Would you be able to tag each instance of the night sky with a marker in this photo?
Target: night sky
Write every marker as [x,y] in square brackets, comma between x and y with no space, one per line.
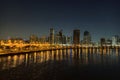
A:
[21,18]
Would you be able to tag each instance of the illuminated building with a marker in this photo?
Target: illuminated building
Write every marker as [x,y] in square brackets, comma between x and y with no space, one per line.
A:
[115,40]
[76,36]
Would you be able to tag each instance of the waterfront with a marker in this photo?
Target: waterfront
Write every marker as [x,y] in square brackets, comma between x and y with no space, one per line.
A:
[70,64]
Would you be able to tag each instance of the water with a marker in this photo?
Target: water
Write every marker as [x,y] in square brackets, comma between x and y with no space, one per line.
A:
[60,65]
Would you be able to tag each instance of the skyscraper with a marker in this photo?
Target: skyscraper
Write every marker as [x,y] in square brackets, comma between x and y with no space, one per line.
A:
[86,38]
[51,36]
[57,38]
[76,36]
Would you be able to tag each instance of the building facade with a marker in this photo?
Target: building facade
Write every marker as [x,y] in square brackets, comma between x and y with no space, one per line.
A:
[87,38]
[76,36]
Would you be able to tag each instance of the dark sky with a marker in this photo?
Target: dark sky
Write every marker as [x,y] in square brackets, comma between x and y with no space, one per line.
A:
[21,18]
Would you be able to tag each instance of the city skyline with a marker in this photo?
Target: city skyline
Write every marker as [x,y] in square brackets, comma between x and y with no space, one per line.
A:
[60,38]
[23,18]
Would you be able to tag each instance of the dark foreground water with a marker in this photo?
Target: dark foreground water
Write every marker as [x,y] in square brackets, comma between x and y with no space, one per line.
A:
[61,65]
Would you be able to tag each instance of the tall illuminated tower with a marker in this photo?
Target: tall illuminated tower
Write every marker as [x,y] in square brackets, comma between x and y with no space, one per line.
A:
[76,36]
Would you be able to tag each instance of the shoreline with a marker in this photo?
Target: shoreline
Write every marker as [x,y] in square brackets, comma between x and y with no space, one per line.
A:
[92,49]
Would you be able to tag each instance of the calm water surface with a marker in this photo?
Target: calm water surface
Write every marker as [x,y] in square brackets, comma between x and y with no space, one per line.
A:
[61,65]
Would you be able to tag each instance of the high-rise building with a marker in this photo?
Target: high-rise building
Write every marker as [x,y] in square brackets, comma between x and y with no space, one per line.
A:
[76,36]
[51,36]
[57,38]
[86,38]
[61,36]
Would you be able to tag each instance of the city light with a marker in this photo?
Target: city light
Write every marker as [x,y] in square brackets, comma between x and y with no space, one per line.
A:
[56,41]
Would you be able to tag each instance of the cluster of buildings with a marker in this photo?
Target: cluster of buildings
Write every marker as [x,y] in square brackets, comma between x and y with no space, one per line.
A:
[87,40]
[114,41]
[53,38]
[61,39]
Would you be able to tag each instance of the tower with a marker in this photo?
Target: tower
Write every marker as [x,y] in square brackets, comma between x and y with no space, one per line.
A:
[86,38]
[76,36]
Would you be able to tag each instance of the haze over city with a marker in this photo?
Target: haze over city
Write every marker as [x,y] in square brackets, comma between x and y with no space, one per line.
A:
[21,18]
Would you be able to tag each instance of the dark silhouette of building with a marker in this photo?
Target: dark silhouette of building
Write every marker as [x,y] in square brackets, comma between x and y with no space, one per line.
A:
[102,41]
[57,38]
[86,38]
[51,36]
[61,36]
[64,39]
[76,36]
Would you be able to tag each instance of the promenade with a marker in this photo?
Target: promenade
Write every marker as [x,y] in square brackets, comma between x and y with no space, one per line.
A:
[28,49]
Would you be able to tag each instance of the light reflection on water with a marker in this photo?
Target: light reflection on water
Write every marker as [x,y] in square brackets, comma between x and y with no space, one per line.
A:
[71,64]
[71,56]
